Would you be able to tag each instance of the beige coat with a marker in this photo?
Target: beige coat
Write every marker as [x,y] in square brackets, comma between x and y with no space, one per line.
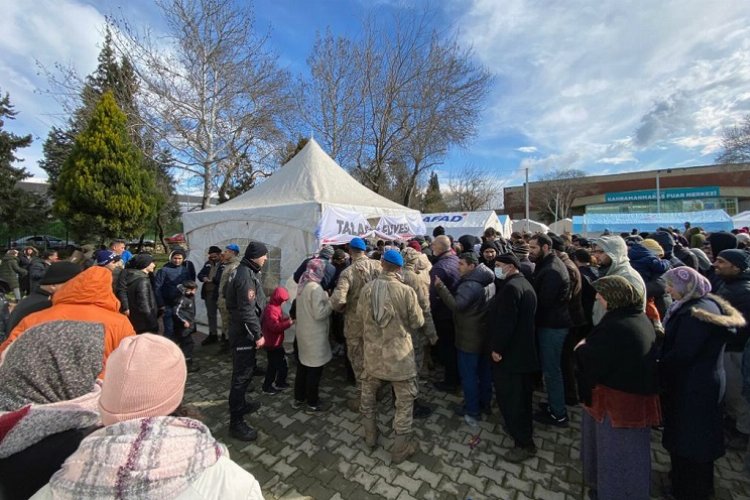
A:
[229,266]
[389,312]
[346,295]
[313,311]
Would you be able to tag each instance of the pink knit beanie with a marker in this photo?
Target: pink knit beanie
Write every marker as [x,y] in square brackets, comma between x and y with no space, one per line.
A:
[145,377]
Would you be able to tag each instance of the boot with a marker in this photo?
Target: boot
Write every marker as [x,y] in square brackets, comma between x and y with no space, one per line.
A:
[371,432]
[403,447]
[193,366]
[241,431]
[353,404]
[211,339]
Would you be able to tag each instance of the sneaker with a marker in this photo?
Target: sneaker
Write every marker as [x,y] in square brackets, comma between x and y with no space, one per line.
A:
[251,407]
[460,411]
[297,404]
[520,453]
[211,339]
[471,421]
[271,391]
[318,408]
[241,431]
[548,418]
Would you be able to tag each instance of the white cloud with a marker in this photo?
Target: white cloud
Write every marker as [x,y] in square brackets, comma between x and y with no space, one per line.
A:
[582,80]
[527,149]
[51,31]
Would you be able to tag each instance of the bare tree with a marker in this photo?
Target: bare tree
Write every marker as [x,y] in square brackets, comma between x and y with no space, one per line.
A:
[472,189]
[735,143]
[212,92]
[394,101]
[554,197]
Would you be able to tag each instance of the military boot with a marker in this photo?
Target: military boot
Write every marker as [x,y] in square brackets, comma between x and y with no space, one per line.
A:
[371,432]
[403,447]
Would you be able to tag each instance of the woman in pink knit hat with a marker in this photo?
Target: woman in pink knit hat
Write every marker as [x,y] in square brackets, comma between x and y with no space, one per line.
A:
[145,449]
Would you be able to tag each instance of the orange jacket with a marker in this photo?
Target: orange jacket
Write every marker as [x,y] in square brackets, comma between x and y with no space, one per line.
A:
[87,297]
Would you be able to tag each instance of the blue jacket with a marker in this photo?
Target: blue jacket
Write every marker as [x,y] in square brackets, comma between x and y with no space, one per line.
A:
[444,267]
[167,279]
[646,262]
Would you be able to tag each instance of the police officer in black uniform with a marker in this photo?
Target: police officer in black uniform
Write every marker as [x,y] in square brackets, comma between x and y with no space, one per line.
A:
[245,302]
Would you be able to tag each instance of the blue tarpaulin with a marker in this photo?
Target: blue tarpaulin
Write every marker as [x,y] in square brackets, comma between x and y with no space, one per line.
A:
[709,220]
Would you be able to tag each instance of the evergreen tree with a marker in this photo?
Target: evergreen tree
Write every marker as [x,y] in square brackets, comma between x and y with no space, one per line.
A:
[433,201]
[17,207]
[103,190]
[167,207]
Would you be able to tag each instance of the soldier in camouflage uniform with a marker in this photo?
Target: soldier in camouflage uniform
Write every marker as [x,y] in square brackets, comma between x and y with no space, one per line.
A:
[390,312]
[418,278]
[361,271]
[230,260]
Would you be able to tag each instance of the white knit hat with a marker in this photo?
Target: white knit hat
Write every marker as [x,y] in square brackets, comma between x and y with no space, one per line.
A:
[145,377]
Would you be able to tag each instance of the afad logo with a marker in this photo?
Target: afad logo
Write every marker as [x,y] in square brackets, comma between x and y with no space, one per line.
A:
[443,218]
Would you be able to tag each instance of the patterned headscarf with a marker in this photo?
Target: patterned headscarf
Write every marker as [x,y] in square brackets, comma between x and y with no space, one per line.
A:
[687,282]
[618,292]
[316,269]
[51,362]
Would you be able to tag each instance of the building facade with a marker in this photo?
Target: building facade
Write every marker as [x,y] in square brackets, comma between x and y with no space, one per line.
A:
[683,189]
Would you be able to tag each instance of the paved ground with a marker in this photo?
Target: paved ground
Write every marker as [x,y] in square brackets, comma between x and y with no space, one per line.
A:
[323,456]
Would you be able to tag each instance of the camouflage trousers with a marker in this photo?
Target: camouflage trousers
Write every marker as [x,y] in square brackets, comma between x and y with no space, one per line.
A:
[418,341]
[355,348]
[406,392]
[224,318]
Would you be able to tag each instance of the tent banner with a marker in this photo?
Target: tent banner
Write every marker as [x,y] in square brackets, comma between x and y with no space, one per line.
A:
[396,227]
[338,226]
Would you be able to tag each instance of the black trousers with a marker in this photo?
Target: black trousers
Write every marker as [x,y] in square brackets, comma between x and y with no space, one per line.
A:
[567,362]
[514,393]
[243,364]
[277,368]
[307,383]
[446,333]
[183,337]
[691,480]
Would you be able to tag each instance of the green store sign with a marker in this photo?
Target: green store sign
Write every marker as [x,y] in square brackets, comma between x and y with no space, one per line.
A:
[665,194]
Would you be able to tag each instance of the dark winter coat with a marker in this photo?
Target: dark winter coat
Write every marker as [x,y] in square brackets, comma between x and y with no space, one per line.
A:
[11,272]
[686,256]
[646,262]
[619,353]
[245,301]
[444,267]
[37,268]
[588,294]
[35,301]
[141,301]
[552,287]
[510,325]
[184,311]
[167,280]
[469,305]
[736,291]
[575,304]
[213,286]
[691,371]
[527,269]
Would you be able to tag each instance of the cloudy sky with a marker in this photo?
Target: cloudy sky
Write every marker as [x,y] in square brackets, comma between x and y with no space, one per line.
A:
[600,86]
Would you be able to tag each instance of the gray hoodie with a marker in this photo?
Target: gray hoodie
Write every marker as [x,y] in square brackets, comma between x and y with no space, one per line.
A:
[617,250]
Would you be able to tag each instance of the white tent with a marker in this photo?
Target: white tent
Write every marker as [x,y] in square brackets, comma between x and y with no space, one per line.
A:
[284,212]
[741,220]
[533,226]
[507,225]
[562,226]
[457,224]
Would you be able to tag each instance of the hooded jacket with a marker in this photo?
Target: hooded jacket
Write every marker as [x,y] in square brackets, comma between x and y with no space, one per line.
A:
[469,305]
[693,377]
[11,271]
[141,300]
[736,291]
[86,297]
[617,251]
[313,312]
[389,313]
[273,322]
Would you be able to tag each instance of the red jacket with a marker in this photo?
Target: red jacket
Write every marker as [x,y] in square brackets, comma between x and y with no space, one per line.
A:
[274,322]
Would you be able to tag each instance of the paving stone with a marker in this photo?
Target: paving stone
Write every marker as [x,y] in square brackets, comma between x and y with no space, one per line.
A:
[541,493]
[471,480]
[284,470]
[384,489]
[427,476]
[408,483]
[364,478]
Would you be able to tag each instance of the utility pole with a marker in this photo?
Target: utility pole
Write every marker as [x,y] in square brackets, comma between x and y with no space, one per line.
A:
[658,193]
[526,185]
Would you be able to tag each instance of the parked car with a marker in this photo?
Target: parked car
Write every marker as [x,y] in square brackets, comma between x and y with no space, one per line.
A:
[146,243]
[44,241]
[175,239]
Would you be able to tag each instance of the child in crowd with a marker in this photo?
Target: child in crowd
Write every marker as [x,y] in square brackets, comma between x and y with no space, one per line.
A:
[273,324]
[184,322]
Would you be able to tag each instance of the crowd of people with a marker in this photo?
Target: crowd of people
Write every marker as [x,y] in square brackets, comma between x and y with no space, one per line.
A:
[644,330]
